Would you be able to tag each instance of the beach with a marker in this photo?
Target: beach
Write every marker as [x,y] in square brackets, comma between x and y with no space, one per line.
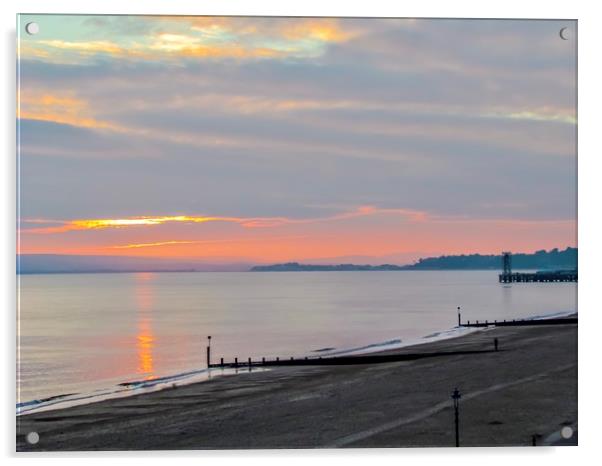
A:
[527,388]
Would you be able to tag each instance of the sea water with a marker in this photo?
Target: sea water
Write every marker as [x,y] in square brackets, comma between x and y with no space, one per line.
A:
[82,336]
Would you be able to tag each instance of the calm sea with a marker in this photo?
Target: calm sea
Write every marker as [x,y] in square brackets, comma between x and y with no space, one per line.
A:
[84,333]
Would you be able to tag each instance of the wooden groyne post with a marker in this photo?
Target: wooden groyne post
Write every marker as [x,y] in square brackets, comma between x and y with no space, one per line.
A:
[523,322]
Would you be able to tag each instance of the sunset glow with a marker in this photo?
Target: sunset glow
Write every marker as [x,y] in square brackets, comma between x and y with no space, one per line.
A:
[396,231]
[232,139]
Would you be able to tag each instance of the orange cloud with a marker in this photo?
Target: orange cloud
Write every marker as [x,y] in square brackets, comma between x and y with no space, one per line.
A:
[322,29]
[97,224]
[26,50]
[229,52]
[222,242]
[65,109]
[163,45]
[325,30]
[96,46]
[150,245]
[248,222]
[195,46]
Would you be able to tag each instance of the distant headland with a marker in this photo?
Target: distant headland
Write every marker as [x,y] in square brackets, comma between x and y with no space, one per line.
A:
[50,263]
[296,267]
[540,260]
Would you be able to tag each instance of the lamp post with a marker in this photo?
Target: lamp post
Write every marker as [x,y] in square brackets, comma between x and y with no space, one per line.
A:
[208,351]
[456,397]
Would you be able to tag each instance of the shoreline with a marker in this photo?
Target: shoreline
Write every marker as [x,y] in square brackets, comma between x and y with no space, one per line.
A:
[194,376]
[326,406]
[126,389]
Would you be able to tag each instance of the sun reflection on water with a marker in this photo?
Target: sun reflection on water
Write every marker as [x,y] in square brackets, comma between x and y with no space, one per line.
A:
[145,339]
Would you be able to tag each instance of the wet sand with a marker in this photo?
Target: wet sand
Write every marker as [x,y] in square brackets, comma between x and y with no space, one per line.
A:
[528,387]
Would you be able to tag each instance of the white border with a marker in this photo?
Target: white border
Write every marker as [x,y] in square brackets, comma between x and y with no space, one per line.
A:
[590,233]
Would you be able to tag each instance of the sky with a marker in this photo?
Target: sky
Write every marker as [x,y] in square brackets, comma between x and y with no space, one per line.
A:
[232,139]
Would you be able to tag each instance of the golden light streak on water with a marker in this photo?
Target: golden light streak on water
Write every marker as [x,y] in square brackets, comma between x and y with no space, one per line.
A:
[145,339]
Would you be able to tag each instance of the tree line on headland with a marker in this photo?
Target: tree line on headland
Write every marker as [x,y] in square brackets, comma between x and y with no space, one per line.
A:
[540,260]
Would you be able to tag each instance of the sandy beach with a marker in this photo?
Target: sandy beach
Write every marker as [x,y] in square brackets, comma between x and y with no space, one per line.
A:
[528,387]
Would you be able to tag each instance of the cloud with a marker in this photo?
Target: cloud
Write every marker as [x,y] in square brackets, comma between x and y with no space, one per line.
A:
[164,38]
[206,242]
[322,29]
[250,222]
[150,245]
[86,47]
[64,109]
[538,116]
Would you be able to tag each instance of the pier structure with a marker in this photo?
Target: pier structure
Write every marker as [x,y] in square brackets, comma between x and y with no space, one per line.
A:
[507,276]
[507,263]
[558,276]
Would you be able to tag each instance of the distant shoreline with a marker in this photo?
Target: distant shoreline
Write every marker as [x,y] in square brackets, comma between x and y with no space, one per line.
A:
[375,269]
[553,259]
[540,260]
[81,272]
[367,268]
